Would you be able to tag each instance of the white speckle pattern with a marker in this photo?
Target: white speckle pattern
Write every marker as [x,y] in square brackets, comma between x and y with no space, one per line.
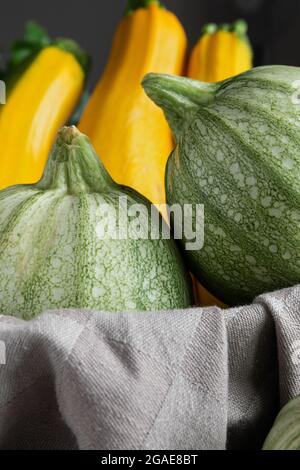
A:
[288,163]
[244,149]
[51,257]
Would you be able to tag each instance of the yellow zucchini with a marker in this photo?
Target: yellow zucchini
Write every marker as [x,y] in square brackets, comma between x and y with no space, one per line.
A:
[221,52]
[39,102]
[128,131]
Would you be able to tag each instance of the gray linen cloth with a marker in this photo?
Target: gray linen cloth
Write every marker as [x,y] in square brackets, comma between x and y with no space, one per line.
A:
[181,380]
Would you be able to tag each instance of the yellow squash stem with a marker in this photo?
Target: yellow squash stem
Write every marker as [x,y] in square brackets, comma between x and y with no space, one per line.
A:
[38,105]
[221,52]
[129,132]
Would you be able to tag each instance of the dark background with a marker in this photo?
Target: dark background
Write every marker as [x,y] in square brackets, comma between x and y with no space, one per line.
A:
[274,25]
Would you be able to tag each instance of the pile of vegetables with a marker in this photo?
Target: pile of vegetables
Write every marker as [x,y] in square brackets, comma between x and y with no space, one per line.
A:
[53,252]
[235,134]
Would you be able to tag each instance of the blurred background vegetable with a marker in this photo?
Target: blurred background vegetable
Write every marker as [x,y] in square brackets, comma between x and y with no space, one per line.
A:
[221,52]
[273,24]
[130,133]
[45,80]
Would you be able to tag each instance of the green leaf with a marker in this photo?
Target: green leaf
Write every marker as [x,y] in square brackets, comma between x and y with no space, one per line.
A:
[36,34]
[35,38]
[23,51]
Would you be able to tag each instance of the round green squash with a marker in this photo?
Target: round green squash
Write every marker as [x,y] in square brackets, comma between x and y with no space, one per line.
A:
[56,250]
[285,434]
[238,154]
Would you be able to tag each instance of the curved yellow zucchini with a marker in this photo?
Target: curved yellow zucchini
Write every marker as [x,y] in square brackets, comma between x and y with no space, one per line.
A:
[37,106]
[129,132]
[221,53]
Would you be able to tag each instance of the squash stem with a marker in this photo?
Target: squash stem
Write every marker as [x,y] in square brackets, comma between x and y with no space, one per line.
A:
[179,97]
[133,5]
[239,27]
[74,167]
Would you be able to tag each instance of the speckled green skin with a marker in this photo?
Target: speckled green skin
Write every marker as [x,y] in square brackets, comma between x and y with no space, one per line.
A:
[285,434]
[52,257]
[238,153]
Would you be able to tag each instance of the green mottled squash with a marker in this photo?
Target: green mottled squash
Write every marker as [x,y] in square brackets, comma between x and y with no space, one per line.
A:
[56,250]
[285,434]
[238,153]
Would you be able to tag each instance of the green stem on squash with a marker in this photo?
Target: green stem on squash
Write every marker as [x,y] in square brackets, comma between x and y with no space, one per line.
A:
[209,28]
[74,167]
[239,27]
[133,5]
[179,97]
[22,53]
[35,38]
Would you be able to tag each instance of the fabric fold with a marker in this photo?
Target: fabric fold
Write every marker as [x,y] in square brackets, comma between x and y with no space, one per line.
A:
[186,379]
